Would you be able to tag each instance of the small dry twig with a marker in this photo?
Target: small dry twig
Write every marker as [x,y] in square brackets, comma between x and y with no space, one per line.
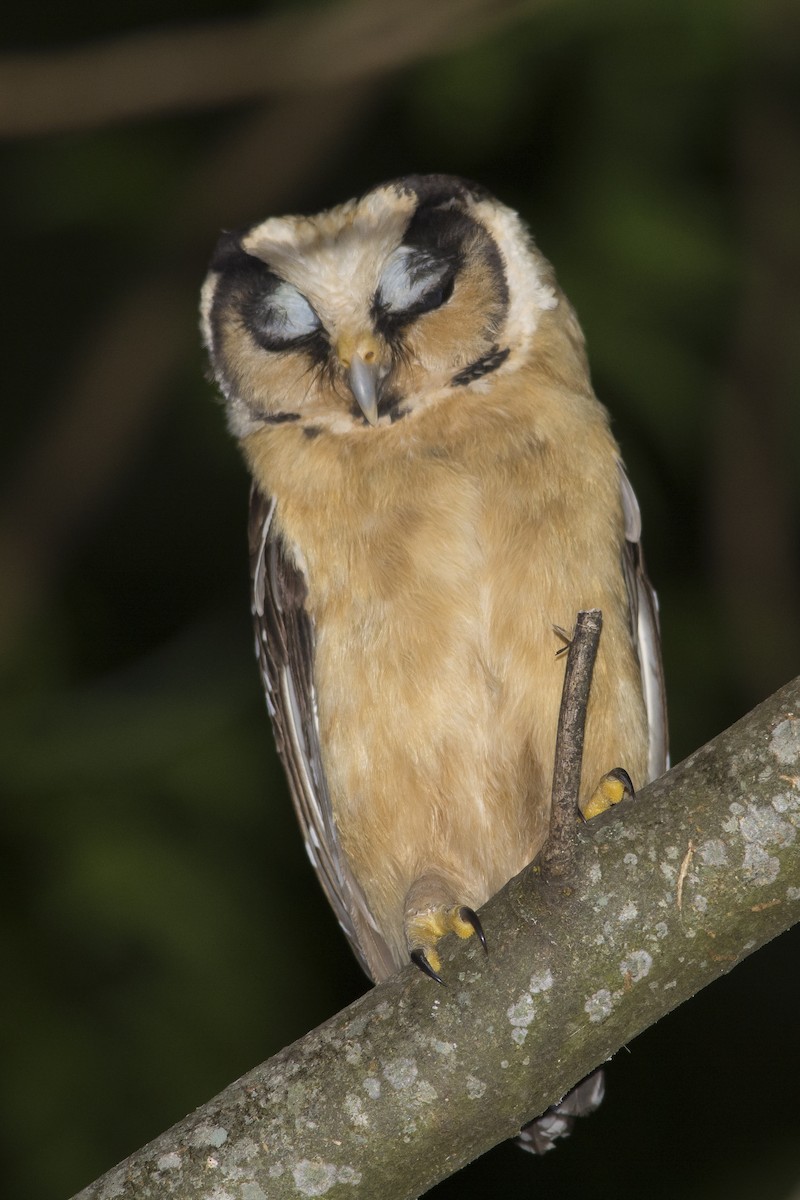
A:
[559,850]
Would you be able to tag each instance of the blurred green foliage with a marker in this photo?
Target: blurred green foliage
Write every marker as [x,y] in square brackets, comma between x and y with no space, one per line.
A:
[161,929]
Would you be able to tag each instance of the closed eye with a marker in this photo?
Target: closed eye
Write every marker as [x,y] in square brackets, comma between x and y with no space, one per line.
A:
[281,317]
[413,283]
[436,297]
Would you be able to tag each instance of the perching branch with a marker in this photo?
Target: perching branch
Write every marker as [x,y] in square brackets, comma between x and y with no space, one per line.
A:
[412,1081]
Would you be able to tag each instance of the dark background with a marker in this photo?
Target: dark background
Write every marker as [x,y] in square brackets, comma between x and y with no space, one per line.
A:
[161,929]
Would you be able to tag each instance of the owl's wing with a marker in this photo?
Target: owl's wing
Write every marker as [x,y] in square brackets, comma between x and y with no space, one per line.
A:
[285,651]
[644,623]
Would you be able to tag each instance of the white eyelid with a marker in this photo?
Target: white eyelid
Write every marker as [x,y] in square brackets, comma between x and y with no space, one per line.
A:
[293,315]
[398,290]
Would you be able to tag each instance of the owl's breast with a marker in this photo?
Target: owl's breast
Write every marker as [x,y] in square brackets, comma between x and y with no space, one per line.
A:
[435,579]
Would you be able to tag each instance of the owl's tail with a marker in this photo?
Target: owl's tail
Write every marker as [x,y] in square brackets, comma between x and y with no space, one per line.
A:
[540,1135]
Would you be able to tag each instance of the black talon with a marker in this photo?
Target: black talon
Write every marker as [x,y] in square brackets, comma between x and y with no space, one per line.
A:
[420,960]
[472,918]
[622,776]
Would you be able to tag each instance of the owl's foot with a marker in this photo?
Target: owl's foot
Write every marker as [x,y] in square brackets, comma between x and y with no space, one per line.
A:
[613,787]
[430,915]
[426,930]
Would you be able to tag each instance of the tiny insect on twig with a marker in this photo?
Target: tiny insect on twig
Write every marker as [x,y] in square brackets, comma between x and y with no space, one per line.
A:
[559,850]
[564,637]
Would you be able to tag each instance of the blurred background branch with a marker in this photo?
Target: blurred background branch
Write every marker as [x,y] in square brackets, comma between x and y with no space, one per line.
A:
[160,927]
[107,402]
[223,62]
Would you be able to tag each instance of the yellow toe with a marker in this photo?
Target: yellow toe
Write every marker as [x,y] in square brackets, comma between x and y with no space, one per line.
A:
[425,930]
[612,788]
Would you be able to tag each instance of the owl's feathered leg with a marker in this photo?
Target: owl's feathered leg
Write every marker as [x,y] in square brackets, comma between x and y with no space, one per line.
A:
[430,914]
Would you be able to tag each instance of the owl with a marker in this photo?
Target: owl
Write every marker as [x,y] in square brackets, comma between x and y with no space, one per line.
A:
[436,491]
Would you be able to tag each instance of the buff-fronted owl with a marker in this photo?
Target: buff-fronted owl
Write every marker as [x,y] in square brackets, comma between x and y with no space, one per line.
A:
[435,491]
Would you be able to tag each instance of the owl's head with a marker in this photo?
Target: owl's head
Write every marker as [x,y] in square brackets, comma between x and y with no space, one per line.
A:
[365,313]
